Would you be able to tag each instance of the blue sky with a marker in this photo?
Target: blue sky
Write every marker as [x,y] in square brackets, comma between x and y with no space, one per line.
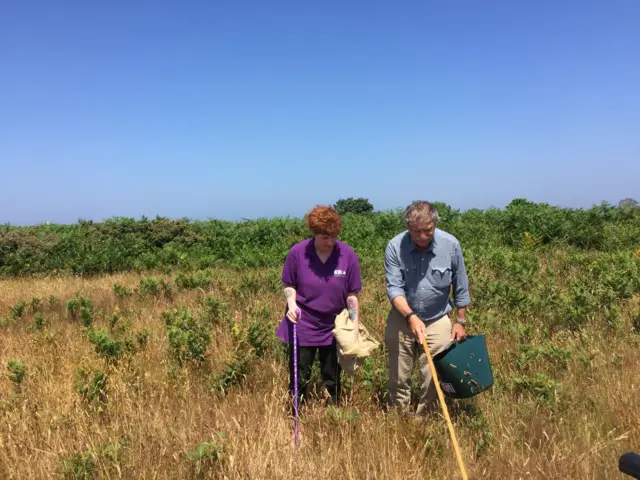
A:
[255,108]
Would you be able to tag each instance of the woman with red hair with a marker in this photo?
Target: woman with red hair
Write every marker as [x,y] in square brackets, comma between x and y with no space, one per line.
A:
[321,277]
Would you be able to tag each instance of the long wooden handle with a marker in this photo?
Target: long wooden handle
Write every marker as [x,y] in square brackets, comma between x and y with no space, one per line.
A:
[445,410]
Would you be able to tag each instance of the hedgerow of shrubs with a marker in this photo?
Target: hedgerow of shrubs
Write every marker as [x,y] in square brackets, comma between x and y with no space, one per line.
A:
[125,244]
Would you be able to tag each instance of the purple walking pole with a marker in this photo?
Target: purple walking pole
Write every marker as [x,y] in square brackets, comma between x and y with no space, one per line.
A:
[295,375]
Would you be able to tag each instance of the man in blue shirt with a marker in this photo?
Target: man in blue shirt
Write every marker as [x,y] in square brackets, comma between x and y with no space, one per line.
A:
[424,266]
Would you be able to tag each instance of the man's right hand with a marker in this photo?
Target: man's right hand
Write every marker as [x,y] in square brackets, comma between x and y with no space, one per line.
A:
[418,327]
[292,314]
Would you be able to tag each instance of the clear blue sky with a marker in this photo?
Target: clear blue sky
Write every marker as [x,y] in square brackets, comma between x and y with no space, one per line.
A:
[265,108]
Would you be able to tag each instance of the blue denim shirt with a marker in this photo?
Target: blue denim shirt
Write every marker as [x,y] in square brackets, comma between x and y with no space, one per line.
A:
[425,278]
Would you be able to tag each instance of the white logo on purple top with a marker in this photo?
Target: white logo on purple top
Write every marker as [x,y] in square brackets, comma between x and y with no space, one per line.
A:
[339,273]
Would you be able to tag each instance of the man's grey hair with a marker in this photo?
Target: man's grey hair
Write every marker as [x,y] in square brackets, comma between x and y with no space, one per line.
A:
[420,211]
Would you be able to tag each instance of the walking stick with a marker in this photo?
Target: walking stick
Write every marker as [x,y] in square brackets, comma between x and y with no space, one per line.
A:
[295,375]
[445,410]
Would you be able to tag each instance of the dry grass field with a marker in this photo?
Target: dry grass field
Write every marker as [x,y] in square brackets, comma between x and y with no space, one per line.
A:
[100,381]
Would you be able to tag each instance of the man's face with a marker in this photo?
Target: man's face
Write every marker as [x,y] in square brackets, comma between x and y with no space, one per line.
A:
[422,233]
[325,243]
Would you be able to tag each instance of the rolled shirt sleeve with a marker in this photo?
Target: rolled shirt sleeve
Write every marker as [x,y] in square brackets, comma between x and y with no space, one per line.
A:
[460,282]
[393,273]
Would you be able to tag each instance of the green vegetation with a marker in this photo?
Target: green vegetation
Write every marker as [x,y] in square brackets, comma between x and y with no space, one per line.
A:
[17,371]
[188,335]
[92,385]
[135,371]
[125,244]
[353,205]
[208,454]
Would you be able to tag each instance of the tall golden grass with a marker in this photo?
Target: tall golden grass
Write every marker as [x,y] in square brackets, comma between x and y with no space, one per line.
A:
[156,413]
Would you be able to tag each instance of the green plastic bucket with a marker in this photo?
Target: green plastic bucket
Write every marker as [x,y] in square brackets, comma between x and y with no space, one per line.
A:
[463,368]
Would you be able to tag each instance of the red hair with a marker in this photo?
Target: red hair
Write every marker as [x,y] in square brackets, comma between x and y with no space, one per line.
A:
[324,221]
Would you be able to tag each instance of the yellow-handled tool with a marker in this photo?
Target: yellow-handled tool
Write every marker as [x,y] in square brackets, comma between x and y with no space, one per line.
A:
[444,410]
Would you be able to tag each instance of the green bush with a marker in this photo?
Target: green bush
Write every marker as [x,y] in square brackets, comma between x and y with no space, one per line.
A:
[210,453]
[215,311]
[17,371]
[541,387]
[80,466]
[202,279]
[125,244]
[92,385]
[39,322]
[17,310]
[121,291]
[188,335]
[111,349]
[358,206]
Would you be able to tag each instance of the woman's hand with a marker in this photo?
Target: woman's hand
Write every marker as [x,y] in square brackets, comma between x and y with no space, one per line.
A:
[293,312]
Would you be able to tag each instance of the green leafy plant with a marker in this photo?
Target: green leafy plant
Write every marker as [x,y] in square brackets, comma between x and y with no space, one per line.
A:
[149,286]
[106,347]
[142,337]
[373,377]
[105,460]
[152,286]
[73,308]
[39,322]
[116,452]
[121,291]
[92,385]
[188,336]
[540,386]
[18,309]
[111,349]
[17,371]
[233,373]
[201,279]
[555,357]
[80,466]
[253,340]
[80,308]
[86,315]
[341,416]
[34,304]
[209,454]
[215,311]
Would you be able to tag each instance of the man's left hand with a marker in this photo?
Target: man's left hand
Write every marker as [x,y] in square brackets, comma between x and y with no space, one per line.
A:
[458,332]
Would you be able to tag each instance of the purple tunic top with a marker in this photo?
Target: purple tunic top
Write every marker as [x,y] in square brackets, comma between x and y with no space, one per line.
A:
[321,290]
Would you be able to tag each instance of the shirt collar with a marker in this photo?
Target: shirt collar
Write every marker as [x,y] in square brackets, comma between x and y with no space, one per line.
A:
[414,248]
[311,247]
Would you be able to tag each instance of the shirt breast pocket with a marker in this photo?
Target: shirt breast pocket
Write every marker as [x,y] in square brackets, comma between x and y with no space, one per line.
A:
[410,274]
[440,276]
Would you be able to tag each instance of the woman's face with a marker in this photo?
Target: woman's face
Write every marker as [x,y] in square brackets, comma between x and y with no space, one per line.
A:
[325,243]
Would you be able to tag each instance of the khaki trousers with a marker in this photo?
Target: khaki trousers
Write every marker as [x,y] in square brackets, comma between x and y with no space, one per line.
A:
[402,348]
